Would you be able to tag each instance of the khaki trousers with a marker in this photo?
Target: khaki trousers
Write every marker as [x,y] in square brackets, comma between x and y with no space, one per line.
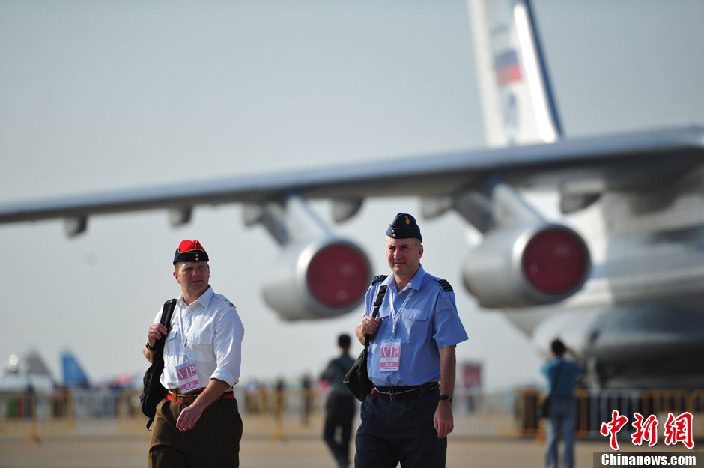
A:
[213,442]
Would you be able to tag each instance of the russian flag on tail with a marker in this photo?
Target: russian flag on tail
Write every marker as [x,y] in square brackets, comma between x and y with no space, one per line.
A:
[507,68]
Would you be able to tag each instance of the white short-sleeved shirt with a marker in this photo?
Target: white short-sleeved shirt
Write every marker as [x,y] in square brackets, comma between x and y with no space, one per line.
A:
[207,333]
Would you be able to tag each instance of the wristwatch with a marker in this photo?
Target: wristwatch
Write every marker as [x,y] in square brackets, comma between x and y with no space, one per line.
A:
[446,397]
[150,348]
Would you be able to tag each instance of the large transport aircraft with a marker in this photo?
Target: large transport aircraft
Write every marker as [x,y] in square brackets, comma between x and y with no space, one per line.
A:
[619,276]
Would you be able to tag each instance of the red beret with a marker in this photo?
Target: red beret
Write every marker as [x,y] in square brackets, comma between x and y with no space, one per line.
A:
[190,251]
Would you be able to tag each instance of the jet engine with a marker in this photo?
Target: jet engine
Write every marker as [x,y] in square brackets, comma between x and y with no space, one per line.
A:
[526,266]
[320,279]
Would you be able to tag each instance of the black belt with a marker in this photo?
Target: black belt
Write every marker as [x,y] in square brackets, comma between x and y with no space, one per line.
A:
[400,393]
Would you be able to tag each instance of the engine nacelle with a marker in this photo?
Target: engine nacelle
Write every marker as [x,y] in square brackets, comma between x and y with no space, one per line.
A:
[317,280]
[527,266]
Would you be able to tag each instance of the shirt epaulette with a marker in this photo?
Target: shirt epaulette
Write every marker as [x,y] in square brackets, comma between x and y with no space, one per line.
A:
[223,300]
[445,285]
[378,279]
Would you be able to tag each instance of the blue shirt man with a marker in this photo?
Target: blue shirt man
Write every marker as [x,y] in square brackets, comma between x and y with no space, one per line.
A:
[424,318]
[561,376]
[411,360]
[567,375]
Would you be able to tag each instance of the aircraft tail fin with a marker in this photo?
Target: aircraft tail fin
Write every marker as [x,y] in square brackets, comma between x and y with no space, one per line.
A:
[72,372]
[517,100]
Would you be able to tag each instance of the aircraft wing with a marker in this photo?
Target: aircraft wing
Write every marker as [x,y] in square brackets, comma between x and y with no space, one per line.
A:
[624,161]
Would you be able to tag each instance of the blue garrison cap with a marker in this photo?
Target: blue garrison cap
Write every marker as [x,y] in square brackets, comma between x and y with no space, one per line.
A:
[404,226]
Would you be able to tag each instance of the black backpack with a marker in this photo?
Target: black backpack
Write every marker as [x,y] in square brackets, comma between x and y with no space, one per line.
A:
[153,392]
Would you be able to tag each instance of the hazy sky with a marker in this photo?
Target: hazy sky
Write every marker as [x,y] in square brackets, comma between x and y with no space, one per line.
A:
[120,94]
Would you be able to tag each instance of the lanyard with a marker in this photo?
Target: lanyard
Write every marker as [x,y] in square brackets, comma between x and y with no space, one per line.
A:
[396,315]
[183,330]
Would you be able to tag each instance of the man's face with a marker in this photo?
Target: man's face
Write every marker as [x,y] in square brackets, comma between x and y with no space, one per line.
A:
[404,256]
[193,277]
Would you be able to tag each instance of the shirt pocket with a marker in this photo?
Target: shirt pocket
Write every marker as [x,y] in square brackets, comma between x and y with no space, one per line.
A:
[170,351]
[202,346]
[414,325]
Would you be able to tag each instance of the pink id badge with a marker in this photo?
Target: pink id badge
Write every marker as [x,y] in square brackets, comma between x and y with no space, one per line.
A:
[187,377]
[389,355]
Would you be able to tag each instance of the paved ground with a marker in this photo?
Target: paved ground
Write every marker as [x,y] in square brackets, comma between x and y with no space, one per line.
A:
[128,451]
[122,451]
[290,444]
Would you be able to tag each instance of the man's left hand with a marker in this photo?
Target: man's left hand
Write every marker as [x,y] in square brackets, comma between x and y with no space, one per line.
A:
[443,421]
[189,417]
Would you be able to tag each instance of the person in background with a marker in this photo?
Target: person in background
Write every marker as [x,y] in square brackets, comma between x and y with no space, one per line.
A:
[307,395]
[561,375]
[198,424]
[340,404]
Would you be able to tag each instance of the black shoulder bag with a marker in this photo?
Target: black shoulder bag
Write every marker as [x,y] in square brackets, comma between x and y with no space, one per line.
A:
[153,392]
[544,410]
[357,379]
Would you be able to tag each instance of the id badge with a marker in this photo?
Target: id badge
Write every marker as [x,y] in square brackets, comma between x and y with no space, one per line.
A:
[187,377]
[389,355]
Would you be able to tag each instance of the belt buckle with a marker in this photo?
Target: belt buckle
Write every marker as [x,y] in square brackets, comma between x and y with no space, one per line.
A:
[384,395]
[182,398]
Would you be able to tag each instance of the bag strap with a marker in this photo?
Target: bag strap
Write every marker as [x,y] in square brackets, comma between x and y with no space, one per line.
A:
[377,303]
[166,314]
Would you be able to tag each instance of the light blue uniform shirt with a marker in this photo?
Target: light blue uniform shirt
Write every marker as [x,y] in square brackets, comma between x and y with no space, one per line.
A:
[429,321]
[567,379]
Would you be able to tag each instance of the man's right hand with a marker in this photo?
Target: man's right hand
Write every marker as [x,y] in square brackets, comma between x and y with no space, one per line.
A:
[154,332]
[370,325]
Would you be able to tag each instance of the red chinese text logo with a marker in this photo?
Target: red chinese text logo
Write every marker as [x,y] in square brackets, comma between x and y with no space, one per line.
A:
[677,429]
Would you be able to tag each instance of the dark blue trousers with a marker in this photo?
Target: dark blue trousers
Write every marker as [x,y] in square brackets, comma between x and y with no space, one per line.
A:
[400,431]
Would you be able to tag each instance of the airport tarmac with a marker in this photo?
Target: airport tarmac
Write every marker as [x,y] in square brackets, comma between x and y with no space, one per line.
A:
[129,451]
[291,444]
